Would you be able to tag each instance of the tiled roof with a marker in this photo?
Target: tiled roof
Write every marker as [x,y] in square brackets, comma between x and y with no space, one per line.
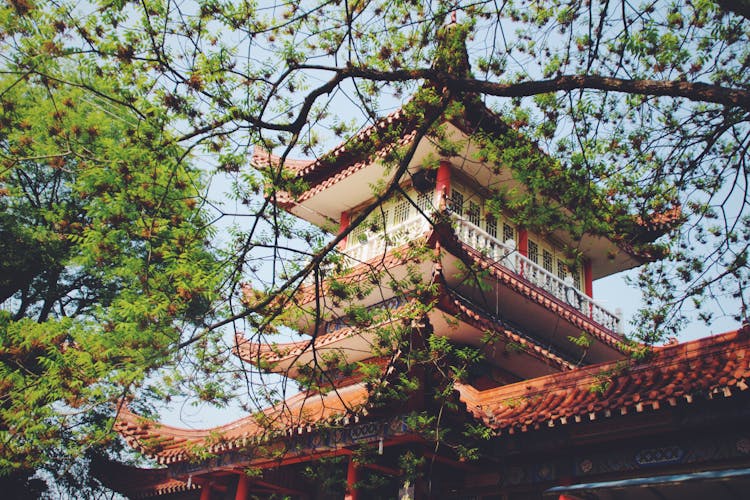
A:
[454,305]
[257,353]
[137,482]
[297,415]
[263,159]
[345,159]
[448,239]
[368,145]
[713,367]
[662,220]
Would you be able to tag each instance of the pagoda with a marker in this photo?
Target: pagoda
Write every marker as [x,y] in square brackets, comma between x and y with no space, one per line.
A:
[432,262]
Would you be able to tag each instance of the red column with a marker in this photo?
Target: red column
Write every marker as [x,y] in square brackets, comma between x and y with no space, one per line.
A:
[243,488]
[343,224]
[566,481]
[523,242]
[351,479]
[442,183]
[206,491]
[588,278]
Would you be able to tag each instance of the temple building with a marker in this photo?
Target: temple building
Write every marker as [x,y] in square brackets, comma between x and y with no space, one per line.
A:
[555,404]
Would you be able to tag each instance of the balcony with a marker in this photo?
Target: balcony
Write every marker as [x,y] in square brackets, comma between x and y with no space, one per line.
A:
[371,245]
[506,255]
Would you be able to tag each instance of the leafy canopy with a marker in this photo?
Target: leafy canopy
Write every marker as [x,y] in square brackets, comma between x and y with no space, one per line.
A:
[110,265]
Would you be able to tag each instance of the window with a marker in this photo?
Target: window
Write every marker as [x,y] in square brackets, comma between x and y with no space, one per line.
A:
[577,279]
[562,270]
[491,225]
[508,233]
[547,260]
[377,221]
[401,212]
[473,213]
[424,202]
[358,234]
[533,252]
[457,202]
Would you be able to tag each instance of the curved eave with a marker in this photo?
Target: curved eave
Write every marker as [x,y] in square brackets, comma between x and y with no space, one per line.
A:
[354,344]
[350,161]
[714,367]
[137,482]
[361,272]
[639,234]
[299,414]
[343,155]
[445,237]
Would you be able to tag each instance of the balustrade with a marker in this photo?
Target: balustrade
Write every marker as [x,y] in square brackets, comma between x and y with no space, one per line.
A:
[503,254]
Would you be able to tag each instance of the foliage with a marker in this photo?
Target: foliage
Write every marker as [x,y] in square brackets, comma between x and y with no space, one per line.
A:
[120,270]
[104,264]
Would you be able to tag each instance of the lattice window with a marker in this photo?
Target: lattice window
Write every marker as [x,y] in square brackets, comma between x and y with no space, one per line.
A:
[377,221]
[401,212]
[562,269]
[473,213]
[533,252]
[547,260]
[424,202]
[508,233]
[491,225]
[457,202]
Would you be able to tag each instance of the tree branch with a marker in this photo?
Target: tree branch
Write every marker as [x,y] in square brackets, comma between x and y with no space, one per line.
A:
[694,91]
[738,7]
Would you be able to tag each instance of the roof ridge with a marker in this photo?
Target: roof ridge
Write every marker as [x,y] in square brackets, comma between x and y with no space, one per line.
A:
[664,356]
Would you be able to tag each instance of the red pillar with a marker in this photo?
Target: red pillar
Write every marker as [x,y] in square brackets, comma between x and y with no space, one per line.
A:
[206,491]
[343,224]
[588,278]
[523,242]
[243,488]
[352,474]
[442,183]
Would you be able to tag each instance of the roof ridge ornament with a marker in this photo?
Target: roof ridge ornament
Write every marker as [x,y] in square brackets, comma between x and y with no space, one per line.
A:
[451,55]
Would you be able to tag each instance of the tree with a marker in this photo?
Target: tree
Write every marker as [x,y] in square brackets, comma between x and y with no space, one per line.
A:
[104,257]
[645,104]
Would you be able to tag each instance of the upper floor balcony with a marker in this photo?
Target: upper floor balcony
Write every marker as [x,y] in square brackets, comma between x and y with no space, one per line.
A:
[366,245]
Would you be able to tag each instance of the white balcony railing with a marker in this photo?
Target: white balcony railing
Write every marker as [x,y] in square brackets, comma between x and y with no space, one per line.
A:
[504,254]
[374,245]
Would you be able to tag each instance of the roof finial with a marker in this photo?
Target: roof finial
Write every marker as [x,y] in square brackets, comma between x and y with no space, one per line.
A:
[451,56]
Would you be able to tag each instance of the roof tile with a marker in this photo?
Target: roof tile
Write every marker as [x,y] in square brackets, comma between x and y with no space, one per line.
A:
[611,388]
